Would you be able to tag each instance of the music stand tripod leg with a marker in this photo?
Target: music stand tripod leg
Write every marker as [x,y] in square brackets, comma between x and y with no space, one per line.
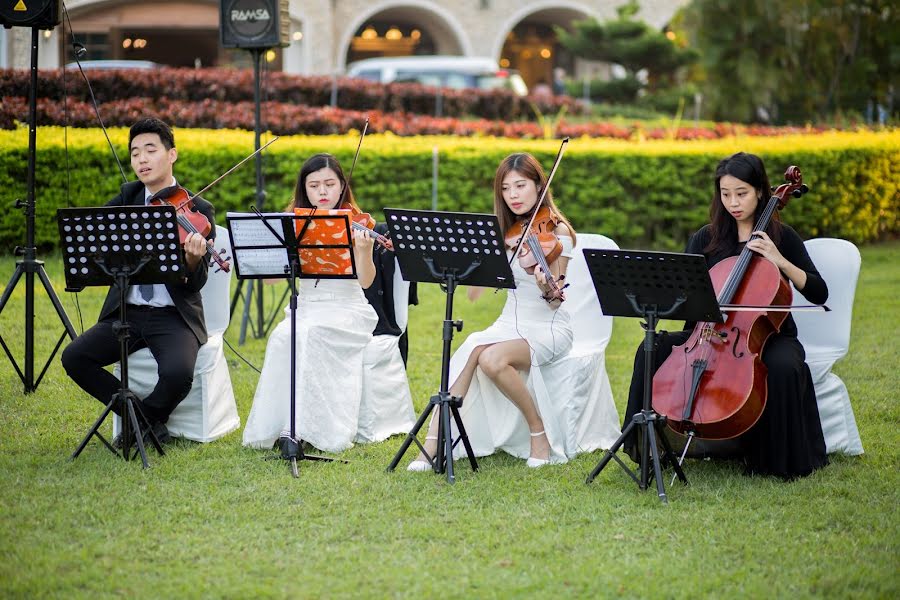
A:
[657,468]
[463,435]
[445,441]
[94,430]
[611,454]
[412,437]
[670,453]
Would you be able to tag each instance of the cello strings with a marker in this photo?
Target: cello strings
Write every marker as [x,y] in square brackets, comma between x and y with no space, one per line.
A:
[729,289]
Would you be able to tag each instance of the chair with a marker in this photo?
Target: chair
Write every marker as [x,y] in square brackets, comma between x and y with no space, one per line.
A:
[593,421]
[386,406]
[209,411]
[826,339]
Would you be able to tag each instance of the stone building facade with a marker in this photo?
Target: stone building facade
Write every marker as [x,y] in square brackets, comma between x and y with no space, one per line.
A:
[328,34]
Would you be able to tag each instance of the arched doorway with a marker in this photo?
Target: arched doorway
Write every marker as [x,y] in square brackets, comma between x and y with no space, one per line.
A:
[532,48]
[403,30]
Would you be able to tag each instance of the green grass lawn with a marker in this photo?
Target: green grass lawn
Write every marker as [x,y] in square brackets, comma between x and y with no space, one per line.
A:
[217,520]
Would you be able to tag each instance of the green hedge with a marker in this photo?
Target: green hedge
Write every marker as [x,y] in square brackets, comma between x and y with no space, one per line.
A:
[647,195]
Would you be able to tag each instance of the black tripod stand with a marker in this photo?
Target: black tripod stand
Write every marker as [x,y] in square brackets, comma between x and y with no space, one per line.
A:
[276,254]
[29,266]
[115,245]
[650,285]
[447,248]
[124,400]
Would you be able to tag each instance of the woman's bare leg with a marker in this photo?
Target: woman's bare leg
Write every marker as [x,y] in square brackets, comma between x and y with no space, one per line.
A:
[458,389]
[501,363]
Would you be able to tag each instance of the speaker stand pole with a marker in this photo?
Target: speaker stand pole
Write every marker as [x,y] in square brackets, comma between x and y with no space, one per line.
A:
[28,266]
[260,330]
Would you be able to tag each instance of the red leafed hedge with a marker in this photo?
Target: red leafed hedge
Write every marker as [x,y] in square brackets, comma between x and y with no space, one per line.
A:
[283,119]
[228,85]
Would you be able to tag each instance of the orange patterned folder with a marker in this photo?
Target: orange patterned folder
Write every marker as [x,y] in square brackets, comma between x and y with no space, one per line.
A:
[324,261]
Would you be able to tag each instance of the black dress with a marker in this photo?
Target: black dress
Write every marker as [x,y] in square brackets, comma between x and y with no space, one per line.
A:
[381,294]
[787,440]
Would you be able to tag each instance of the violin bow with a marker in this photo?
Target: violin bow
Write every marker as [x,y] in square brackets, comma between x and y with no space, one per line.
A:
[228,172]
[774,308]
[559,155]
[349,177]
[353,165]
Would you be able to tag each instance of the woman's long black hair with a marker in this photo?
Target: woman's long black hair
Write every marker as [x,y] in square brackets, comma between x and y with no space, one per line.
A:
[315,163]
[748,168]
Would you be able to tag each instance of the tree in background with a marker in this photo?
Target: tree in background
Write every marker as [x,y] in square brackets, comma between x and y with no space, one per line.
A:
[792,61]
[635,46]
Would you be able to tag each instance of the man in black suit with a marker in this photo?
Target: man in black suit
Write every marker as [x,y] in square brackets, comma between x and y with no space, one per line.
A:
[167,318]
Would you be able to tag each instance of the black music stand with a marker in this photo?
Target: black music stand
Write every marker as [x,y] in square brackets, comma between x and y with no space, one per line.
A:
[448,249]
[651,286]
[268,246]
[121,246]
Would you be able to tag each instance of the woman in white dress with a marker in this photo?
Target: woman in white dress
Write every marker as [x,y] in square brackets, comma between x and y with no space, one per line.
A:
[334,326]
[502,371]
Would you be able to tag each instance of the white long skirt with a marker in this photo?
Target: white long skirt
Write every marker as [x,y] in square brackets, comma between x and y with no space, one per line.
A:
[334,326]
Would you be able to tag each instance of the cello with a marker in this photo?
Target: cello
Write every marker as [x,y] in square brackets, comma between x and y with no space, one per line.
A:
[714,385]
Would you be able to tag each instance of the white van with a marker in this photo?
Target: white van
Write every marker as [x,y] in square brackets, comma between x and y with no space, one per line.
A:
[455,72]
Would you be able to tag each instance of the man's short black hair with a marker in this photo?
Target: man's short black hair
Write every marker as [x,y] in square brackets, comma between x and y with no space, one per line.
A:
[152,125]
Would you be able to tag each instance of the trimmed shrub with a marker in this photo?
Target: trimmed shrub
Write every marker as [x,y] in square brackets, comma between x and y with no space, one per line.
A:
[647,195]
[289,119]
[233,86]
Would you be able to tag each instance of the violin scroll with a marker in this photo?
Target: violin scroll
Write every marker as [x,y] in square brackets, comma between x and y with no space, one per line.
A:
[360,220]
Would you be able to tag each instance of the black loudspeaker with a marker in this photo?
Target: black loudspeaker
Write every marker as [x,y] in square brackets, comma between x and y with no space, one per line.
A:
[43,14]
[255,23]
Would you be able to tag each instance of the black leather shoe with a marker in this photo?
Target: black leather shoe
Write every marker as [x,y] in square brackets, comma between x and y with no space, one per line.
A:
[160,429]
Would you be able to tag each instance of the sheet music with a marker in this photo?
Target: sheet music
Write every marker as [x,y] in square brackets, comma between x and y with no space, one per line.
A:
[262,261]
[254,261]
[248,230]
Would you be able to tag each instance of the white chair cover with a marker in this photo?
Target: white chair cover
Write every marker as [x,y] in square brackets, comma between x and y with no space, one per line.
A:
[826,339]
[593,421]
[386,407]
[209,411]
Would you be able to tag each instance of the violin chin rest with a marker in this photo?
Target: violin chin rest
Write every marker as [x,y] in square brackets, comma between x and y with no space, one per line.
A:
[165,193]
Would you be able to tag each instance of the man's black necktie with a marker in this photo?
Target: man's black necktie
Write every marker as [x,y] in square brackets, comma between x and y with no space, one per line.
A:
[146,290]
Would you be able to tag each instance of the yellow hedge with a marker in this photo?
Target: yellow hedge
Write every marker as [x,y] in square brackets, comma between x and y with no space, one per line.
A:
[643,194]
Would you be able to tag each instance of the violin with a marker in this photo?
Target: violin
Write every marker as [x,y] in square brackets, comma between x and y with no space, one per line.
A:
[362,221]
[714,385]
[190,220]
[541,247]
[536,244]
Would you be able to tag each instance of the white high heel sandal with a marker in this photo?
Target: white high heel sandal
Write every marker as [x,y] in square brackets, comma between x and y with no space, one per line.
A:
[533,462]
[420,466]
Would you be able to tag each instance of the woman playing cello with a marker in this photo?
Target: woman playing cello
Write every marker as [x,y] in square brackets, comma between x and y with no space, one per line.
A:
[787,439]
